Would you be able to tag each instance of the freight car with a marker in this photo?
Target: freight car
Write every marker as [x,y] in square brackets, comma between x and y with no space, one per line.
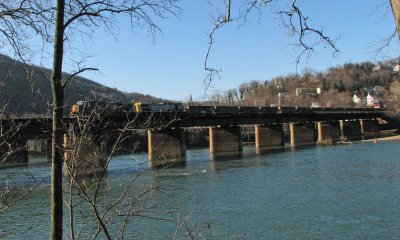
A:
[200,110]
[249,110]
[268,110]
[159,107]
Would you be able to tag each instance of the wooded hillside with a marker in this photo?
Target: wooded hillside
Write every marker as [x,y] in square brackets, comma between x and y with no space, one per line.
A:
[332,88]
[26,89]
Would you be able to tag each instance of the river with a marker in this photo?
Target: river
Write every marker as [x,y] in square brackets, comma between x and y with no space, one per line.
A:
[323,192]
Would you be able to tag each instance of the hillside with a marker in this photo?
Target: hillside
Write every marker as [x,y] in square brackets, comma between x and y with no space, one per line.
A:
[334,87]
[26,89]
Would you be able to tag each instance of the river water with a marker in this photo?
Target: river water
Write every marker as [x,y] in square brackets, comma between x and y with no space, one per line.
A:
[331,192]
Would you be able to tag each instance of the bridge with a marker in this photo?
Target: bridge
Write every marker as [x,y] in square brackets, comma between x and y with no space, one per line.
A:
[94,132]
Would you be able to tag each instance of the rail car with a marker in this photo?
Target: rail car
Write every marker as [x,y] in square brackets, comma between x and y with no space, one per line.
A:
[304,110]
[248,110]
[288,110]
[200,110]
[159,107]
[268,110]
[226,110]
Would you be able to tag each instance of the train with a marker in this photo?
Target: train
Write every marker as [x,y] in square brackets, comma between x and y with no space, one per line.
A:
[111,108]
[85,107]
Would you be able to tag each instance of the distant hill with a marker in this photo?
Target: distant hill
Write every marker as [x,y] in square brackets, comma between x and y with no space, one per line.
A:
[146,98]
[26,89]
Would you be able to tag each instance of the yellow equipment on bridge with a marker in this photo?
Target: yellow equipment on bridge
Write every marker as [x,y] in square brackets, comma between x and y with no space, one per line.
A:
[74,109]
[138,106]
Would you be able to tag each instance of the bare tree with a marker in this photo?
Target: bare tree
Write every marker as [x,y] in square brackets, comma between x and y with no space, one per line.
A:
[73,17]
[19,19]
[93,140]
[293,19]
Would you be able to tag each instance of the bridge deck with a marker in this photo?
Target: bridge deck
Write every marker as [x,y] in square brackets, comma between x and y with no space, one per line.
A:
[144,120]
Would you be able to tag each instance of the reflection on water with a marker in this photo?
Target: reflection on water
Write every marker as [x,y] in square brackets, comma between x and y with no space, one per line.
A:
[339,192]
[226,156]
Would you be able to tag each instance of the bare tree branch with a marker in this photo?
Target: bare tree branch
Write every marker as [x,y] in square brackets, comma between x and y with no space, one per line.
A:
[292,19]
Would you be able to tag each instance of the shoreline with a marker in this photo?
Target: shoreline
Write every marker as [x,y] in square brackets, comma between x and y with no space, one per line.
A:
[383,139]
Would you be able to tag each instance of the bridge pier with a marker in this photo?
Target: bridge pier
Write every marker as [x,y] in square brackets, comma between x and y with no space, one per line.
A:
[351,129]
[166,147]
[302,134]
[328,133]
[82,156]
[225,141]
[369,128]
[269,137]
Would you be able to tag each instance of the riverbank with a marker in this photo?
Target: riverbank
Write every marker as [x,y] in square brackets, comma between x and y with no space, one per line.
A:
[383,139]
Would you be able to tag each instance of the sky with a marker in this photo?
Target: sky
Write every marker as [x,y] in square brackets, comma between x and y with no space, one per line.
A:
[171,65]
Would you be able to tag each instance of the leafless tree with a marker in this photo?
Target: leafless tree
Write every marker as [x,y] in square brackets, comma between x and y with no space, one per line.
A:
[92,142]
[78,17]
[67,18]
[293,19]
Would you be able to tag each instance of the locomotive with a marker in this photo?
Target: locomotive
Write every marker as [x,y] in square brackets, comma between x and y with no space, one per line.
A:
[98,107]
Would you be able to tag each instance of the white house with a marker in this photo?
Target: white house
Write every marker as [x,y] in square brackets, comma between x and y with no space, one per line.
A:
[371,100]
[376,68]
[316,105]
[396,68]
[359,99]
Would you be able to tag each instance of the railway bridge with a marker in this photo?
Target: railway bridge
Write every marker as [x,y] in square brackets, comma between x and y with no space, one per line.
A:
[90,136]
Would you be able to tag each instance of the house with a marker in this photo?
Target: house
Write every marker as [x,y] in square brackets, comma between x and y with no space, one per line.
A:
[316,105]
[307,91]
[377,103]
[377,89]
[278,84]
[374,100]
[370,100]
[359,99]
[283,95]
[376,68]
[396,68]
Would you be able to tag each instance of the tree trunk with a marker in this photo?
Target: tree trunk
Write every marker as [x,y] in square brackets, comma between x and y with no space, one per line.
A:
[57,131]
[396,12]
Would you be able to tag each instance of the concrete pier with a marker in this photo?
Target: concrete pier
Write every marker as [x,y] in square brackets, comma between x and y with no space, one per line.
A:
[225,140]
[269,137]
[369,128]
[302,134]
[166,147]
[328,133]
[352,130]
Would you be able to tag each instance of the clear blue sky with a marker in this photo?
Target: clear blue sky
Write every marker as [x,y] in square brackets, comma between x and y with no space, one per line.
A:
[172,68]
